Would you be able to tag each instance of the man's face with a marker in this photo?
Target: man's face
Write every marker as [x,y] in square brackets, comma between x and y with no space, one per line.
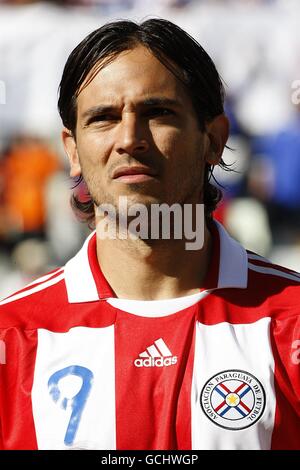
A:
[136,117]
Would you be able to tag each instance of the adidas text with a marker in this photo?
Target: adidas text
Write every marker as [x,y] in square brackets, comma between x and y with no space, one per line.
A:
[155,362]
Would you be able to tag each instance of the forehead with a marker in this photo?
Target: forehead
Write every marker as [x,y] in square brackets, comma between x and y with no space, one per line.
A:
[132,76]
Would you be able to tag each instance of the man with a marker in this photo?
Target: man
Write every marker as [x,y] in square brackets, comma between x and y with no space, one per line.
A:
[144,342]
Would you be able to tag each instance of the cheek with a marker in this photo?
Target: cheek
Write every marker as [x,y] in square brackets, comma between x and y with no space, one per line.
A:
[92,150]
[168,141]
[181,150]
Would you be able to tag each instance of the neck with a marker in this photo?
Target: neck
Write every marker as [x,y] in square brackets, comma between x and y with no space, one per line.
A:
[162,269]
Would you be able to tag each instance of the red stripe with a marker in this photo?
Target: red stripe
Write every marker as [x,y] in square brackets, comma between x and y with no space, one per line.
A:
[239,388]
[286,430]
[153,404]
[265,264]
[220,406]
[18,431]
[225,388]
[245,406]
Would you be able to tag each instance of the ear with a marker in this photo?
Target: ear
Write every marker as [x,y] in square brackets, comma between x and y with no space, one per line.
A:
[71,150]
[217,131]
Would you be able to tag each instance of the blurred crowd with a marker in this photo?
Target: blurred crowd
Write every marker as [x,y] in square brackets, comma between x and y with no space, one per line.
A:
[126,4]
[101,4]
[259,61]
[38,230]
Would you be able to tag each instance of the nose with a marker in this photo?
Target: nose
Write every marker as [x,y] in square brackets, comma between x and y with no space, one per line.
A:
[131,138]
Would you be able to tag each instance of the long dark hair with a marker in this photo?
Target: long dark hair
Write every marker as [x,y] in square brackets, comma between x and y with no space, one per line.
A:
[176,49]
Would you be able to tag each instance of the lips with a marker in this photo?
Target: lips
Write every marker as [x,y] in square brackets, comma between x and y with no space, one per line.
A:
[133,170]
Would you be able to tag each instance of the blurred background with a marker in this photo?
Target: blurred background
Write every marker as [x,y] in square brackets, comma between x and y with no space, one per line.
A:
[256,47]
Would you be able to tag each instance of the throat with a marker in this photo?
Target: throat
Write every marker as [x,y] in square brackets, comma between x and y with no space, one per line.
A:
[139,272]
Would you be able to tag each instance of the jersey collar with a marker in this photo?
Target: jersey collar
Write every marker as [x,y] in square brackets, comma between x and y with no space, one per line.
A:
[86,283]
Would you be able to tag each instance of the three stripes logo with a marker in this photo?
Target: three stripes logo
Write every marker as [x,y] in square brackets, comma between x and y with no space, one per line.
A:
[156,355]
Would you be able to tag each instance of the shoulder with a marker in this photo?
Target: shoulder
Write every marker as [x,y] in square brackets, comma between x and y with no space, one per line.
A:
[274,284]
[41,294]
[261,289]
[262,269]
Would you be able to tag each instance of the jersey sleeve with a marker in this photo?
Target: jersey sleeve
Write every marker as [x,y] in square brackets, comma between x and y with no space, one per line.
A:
[2,362]
[285,338]
[286,344]
[1,440]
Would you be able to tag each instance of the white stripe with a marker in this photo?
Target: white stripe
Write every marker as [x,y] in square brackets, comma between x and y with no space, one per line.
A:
[265,260]
[233,269]
[231,347]
[144,354]
[163,347]
[81,288]
[93,351]
[258,258]
[38,288]
[44,278]
[152,350]
[273,272]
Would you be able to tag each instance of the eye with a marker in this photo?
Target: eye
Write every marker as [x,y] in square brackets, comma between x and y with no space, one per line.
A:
[159,112]
[102,118]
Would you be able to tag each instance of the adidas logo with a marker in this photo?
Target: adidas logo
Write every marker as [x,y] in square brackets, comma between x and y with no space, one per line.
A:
[156,355]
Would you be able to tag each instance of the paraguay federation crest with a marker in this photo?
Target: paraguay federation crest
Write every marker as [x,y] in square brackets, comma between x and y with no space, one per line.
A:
[233,399]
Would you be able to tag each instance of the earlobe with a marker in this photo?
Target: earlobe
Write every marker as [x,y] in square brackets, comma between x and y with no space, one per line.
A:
[217,131]
[71,151]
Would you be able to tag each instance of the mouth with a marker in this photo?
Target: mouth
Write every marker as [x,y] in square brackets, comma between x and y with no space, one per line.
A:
[134,174]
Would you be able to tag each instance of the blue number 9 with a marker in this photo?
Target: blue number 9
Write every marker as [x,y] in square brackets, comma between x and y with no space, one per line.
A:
[78,402]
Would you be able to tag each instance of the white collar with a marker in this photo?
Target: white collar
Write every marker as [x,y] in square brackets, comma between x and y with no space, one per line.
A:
[233,265]
[233,269]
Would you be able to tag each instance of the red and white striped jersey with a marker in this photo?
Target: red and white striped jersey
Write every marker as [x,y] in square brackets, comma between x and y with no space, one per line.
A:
[79,371]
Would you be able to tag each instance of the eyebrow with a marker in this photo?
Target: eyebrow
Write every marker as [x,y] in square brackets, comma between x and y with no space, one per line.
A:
[154,101]
[96,110]
[157,101]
